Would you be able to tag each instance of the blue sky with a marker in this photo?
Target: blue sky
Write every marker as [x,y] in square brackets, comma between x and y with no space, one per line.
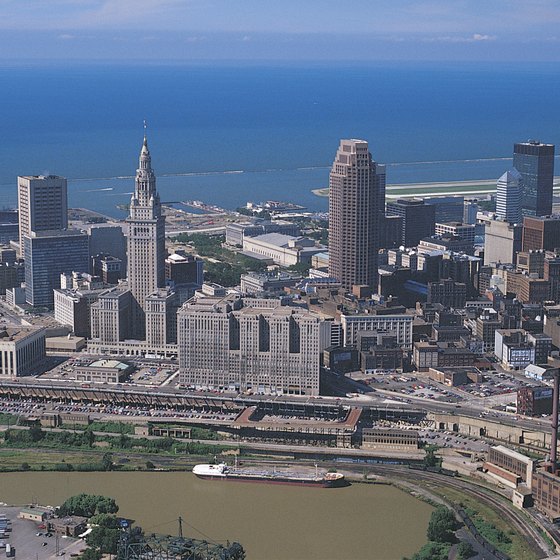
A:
[281,29]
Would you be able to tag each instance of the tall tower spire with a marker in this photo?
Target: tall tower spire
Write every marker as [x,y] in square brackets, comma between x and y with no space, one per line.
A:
[145,183]
[146,239]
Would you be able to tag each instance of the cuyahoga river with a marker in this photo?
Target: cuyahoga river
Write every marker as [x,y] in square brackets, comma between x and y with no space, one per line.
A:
[271,522]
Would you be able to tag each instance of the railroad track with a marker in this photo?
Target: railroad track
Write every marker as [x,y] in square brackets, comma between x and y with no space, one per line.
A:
[518,520]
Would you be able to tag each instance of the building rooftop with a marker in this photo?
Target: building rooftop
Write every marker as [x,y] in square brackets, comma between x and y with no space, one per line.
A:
[109,364]
[14,334]
[513,454]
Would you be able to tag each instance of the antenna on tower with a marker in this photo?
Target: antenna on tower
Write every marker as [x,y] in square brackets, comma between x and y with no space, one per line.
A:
[145,129]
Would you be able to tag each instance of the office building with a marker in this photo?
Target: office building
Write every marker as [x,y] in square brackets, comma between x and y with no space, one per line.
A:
[447,208]
[72,308]
[513,349]
[47,255]
[470,210]
[146,241]
[542,232]
[356,214]
[182,268]
[397,324]
[108,239]
[508,196]
[534,401]
[42,204]
[418,218]
[502,242]
[110,318]
[9,226]
[456,229]
[535,163]
[137,317]
[258,345]
[448,292]
[107,267]
[21,351]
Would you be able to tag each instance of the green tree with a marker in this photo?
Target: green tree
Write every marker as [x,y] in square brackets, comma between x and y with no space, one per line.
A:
[433,551]
[88,505]
[107,462]
[25,467]
[35,433]
[90,554]
[465,550]
[431,459]
[442,525]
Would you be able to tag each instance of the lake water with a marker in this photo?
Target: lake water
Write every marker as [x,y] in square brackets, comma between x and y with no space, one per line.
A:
[228,134]
[374,522]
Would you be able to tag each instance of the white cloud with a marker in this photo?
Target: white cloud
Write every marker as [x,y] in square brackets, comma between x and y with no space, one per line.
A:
[474,38]
[66,36]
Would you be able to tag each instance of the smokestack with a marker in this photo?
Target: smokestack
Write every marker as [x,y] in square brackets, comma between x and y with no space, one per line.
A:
[554,423]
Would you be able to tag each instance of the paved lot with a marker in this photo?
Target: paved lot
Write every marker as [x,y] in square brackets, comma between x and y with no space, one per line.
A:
[30,546]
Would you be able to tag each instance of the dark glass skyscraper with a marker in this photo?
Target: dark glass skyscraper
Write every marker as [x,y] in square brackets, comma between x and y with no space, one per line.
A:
[535,163]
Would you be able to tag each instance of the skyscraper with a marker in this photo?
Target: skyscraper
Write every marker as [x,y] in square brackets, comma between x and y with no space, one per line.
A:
[535,163]
[146,241]
[508,196]
[356,214]
[43,205]
[418,219]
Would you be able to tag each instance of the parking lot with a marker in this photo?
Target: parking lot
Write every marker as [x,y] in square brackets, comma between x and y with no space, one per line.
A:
[497,389]
[32,543]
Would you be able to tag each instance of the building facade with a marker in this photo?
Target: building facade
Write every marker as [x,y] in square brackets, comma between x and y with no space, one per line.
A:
[47,255]
[146,241]
[535,162]
[418,219]
[255,345]
[508,196]
[356,214]
[43,205]
[21,351]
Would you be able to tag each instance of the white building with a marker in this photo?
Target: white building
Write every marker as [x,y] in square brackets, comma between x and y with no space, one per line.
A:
[509,190]
[513,350]
[284,250]
[399,325]
[21,351]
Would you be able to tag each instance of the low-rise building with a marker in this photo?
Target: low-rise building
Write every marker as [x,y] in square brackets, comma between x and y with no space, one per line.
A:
[70,526]
[509,466]
[284,250]
[390,439]
[513,349]
[271,282]
[455,376]
[103,371]
[534,401]
[22,350]
[431,354]
[546,492]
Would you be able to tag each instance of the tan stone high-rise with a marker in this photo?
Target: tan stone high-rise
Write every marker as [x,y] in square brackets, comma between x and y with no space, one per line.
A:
[356,213]
[146,241]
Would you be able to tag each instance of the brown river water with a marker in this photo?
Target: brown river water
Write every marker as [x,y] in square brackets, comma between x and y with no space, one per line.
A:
[374,522]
